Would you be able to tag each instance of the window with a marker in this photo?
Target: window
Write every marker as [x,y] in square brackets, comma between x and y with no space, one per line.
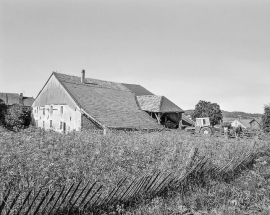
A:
[43,124]
[37,109]
[37,123]
[51,110]
[61,109]
[70,118]
[51,125]
[44,111]
[61,125]
[204,121]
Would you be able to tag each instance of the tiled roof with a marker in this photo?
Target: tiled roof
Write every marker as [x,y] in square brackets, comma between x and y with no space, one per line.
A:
[14,98]
[138,90]
[153,103]
[110,103]
[10,98]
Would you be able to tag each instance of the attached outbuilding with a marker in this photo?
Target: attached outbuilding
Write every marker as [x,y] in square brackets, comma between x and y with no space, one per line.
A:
[162,109]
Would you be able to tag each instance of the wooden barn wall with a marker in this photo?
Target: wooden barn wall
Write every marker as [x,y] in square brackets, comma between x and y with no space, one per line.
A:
[54,93]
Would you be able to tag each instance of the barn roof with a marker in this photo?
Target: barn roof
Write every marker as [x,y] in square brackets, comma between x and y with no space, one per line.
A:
[110,103]
[154,103]
[138,90]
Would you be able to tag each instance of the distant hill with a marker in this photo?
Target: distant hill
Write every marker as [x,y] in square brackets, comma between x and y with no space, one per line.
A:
[233,114]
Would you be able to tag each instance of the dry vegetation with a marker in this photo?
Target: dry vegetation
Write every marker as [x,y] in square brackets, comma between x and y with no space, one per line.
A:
[33,158]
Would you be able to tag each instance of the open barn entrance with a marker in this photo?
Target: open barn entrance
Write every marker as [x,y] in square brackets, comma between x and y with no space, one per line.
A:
[169,120]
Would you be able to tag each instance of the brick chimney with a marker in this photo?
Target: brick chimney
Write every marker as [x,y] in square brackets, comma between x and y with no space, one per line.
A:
[21,99]
[83,76]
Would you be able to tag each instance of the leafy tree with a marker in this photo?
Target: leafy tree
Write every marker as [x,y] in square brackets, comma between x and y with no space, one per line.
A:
[208,109]
[266,119]
[17,117]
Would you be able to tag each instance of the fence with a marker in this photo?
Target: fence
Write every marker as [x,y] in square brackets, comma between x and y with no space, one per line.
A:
[93,198]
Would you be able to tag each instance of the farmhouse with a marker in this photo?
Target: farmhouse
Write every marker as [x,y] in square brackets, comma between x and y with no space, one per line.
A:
[15,98]
[68,103]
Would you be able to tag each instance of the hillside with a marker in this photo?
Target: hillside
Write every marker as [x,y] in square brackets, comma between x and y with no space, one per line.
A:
[233,114]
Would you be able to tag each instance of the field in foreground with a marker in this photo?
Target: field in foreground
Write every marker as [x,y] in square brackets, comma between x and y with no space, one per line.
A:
[33,158]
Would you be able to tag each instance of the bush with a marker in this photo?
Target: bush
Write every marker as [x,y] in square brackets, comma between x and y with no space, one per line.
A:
[3,109]
[17,117]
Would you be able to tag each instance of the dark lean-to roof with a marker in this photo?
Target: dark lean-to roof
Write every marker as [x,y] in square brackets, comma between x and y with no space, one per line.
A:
[109,103]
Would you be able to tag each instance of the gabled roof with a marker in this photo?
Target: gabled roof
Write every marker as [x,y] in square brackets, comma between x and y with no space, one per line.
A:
[159,104]
[110,104]
[138,90]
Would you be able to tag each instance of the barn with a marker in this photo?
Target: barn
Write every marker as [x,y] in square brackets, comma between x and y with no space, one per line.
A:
[70,103]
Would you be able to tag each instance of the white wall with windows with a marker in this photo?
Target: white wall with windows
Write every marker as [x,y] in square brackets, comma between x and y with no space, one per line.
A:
[57,117]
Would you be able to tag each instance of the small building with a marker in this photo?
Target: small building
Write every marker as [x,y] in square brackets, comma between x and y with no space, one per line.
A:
[15,98]
[243,122]
[67,103]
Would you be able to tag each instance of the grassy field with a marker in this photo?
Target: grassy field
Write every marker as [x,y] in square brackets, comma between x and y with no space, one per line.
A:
[34,158]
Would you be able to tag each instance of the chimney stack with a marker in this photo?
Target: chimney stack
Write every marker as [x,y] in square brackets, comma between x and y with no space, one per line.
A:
[83,76]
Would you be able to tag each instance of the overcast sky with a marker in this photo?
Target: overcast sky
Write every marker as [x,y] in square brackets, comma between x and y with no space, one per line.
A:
[186,50]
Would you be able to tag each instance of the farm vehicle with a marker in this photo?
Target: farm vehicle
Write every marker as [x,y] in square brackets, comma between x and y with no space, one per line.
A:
[203,127]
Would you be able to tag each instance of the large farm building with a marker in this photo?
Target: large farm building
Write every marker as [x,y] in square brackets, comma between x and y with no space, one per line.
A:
[68,103]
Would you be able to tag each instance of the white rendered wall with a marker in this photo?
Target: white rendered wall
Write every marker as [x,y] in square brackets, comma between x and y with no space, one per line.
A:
[70,116]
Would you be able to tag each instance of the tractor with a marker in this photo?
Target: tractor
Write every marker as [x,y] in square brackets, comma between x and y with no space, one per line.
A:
[202,126]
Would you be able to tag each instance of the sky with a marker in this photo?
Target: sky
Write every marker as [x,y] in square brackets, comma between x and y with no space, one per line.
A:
[186,50]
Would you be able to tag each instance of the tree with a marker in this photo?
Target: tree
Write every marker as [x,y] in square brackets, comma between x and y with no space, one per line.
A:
[208,109]
[17,117]
[3,109]
[266,119]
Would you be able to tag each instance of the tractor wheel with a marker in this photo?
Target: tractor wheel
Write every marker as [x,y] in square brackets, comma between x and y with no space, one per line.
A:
[206,131]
